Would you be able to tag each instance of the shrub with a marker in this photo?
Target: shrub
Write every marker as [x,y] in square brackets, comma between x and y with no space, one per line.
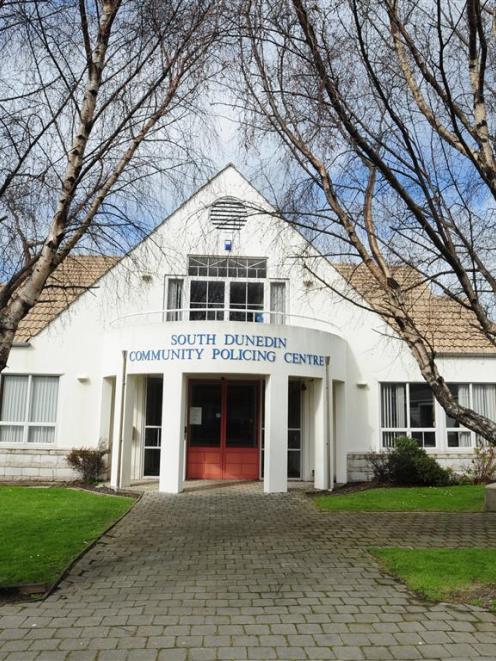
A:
[407,464]
[88,462]
[482,469]
[410,464]
[379,465]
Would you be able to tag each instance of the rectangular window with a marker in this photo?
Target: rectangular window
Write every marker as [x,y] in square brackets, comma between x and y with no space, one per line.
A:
[28,408]
[174,299]
[457,436]
[206,300]
[484,402]
[227,267]
[277,302]
[246,301]
[407,409]
[294,429]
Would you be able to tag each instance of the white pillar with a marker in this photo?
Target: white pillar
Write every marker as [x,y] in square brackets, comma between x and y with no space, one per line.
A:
[340,430]
[276,434]
[116,434]
[128,430]
[173,422]
[321,471]
[120,474]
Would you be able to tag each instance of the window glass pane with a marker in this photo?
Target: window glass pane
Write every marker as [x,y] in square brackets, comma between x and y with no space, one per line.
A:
[44,390]
[393,404]
[174,299]
[421,405]
[241,415]
[154,390]
[198,293]
[232,267]
[216,294]
[237,295]
[461,393]
[294,404]
[459,439]
[153,437]
[255,295]
[485,399]
[277,302]
[204,415]
[152,462]
[14,396]
[11,434]
[426,439]
[389,437]
[41,434]
[245,297]
[294,464]
[294,439]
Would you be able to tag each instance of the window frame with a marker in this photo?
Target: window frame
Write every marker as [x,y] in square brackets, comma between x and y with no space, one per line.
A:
[26,423]
[212,258]
[228,280]
[441,428]
[444,420]
[408,430]
[187,279]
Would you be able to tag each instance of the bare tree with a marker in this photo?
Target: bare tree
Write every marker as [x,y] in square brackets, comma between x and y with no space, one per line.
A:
[384,114]
[97,98]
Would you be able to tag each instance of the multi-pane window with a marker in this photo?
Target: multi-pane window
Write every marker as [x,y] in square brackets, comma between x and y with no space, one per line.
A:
[294,429]
[246,301]
[206,299]
[227,267]
[233,288]
[28,408]
[481,397]
[407,409]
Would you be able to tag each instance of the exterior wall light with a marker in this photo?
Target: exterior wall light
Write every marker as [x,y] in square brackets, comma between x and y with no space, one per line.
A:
[362,384]
[146,277]
[83,378]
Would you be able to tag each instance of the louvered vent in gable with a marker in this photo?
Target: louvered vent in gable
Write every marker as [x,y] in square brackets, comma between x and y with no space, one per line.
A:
[228,213]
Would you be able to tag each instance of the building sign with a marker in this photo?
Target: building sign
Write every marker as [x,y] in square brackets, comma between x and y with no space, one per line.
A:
[227,346]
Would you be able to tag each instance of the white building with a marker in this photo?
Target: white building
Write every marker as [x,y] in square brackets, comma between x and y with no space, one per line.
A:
[211,352]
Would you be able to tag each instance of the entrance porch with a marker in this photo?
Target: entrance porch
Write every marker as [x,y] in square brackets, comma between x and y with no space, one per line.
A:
[223,428]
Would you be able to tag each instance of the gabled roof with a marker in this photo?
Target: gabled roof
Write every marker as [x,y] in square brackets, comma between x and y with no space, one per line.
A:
[446,325]
[73,277]
[449,327]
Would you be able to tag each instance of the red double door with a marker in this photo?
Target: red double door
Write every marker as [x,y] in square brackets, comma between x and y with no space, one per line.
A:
[223,430]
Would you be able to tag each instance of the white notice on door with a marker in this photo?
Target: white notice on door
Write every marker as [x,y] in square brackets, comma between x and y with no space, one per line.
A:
[195,415]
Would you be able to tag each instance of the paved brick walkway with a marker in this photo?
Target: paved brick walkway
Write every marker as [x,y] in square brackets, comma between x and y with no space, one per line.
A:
[228,573]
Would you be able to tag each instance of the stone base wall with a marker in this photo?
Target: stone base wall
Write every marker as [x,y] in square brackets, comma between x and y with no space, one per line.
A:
[28,464]
[358,470]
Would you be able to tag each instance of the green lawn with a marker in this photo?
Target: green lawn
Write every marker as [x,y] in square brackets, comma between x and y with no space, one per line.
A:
[42,529]
[465,498]
[464,574]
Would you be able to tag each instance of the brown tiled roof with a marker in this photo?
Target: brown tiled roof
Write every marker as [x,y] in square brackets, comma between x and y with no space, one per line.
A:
[73,277]
[449,327]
